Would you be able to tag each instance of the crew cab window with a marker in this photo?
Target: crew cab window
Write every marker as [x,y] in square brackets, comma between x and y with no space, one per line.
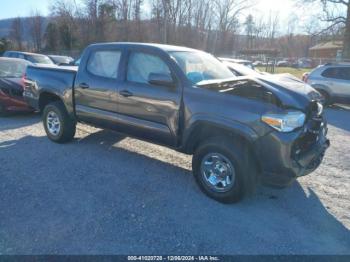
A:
[342,73]
[141,65]
[104,63]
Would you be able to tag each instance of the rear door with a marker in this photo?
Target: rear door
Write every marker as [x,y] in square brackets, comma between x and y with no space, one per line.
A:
[150,111]
[96,87]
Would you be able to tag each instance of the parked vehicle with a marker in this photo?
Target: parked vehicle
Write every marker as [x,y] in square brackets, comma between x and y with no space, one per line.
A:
[31,57]
[61,60]
[332,81]
[11,85]
[304,63]
[259,63]
[239,130]
[283,63]
[246,63]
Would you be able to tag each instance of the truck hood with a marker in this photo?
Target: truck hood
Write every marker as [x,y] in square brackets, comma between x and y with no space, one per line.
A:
[299,91]
[292,94]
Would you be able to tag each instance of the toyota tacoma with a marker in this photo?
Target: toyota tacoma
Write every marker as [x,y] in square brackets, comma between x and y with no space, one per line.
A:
[240,130]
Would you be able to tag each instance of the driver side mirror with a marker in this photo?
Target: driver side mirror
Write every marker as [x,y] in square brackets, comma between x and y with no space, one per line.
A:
[161,79]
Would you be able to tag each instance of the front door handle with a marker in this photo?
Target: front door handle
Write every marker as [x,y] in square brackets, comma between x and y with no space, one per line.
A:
[84,86]
[126,93]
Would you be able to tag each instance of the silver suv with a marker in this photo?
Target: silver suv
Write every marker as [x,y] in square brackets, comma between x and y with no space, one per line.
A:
[332,81]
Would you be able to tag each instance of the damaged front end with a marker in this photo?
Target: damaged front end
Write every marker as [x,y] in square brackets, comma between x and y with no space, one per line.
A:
[296,130]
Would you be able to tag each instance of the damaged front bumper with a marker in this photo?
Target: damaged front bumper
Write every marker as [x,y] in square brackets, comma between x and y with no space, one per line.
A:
[286,156]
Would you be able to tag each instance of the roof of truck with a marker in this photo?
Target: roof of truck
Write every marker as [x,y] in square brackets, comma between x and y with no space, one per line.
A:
[166,48]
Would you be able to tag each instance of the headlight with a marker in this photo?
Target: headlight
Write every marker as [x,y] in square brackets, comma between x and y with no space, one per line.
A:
[285,122]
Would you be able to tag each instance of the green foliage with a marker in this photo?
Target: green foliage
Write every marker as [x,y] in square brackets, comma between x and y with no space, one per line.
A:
[51,35]
[5,45]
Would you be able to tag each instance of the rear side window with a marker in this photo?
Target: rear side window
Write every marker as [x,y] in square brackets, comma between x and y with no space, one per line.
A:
[104,63]
[342,73]
[141,65]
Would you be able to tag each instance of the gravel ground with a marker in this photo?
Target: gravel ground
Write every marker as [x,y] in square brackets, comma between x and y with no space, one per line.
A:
[107,194]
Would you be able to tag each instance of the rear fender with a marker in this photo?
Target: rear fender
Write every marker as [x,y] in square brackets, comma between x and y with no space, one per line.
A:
[48,95]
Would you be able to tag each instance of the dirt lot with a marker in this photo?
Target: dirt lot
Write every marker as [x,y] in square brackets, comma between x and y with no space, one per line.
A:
[105,194]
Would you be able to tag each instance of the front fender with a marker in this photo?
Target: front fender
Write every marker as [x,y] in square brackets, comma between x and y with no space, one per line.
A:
[200,121]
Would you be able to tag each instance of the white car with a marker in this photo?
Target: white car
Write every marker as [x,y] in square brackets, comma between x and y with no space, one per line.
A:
[332,81]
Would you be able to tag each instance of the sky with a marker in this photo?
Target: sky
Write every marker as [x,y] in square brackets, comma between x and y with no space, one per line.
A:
[284,8]
[14,8]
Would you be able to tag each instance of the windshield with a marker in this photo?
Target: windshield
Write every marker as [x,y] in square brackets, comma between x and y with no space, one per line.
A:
[200,66]
[39,59]
[11,69]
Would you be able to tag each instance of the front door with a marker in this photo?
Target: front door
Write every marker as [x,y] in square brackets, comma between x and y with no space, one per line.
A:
[150,111]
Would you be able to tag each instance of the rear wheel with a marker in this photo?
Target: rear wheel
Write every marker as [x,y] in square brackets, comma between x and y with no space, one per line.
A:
[59,127]
[224,170]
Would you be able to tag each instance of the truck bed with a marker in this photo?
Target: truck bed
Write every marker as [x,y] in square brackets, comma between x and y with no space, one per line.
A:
[56,79]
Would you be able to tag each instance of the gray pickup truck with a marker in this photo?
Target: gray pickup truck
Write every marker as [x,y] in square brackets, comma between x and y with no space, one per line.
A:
[240,130]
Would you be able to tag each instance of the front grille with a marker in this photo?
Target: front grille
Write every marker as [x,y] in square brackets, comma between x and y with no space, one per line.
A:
[312,131]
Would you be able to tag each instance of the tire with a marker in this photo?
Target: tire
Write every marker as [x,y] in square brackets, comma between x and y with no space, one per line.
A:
[59,127]
[233,154]
[327,97]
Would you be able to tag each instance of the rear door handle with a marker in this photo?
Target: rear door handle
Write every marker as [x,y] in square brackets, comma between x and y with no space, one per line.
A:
[84,86]
[126,93]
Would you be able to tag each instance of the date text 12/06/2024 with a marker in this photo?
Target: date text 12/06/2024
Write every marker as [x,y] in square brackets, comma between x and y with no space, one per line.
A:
[173,258]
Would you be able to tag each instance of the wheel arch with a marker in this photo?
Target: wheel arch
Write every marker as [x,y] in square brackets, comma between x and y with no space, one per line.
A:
[48,96]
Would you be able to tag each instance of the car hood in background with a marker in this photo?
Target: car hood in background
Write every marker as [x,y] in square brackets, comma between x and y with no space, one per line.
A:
[11,83]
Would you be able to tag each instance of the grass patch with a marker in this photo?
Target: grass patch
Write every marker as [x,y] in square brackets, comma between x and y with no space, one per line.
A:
[298,72]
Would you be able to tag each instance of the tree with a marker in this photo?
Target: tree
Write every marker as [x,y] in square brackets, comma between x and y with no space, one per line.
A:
[249,29]
[63,14]
[36,27]
[52,37]
[336,13]
[227,12]
[5,45]
[16,33]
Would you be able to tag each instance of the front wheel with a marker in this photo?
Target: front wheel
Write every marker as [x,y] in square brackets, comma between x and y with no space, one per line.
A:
[223,170]
[59,127]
